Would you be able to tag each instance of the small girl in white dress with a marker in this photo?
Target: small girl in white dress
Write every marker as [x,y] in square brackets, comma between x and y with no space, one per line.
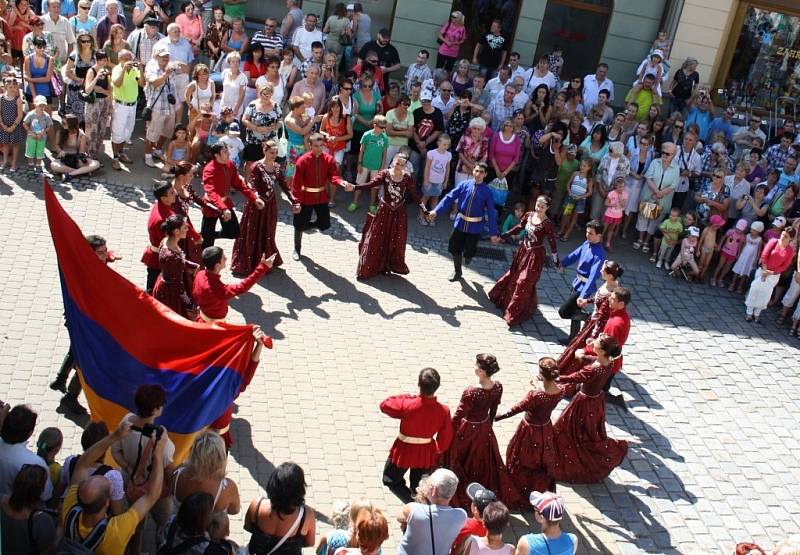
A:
[748,258]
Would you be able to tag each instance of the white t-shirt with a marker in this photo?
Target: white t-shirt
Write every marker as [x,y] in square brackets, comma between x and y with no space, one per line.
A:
[128,447]
[302,40]
[532,80]
[233,144]
[231,88]
[440,163]
[277,91]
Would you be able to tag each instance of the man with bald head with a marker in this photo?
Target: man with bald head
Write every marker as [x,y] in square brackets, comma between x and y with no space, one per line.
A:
[84,513]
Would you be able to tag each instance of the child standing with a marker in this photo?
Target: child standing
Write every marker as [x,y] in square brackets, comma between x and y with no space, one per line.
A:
[36,123]
[662,43]
[686,256]
[732,243]
[708,244]
[177,150]
[512,220]
[371,158]
[436,175]
[615,203]
[748,257]
[233,143]
[671,229]
[578,190]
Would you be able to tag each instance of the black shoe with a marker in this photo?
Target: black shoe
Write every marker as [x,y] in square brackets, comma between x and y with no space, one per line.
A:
[296,255]
[455,276]
[59,384]
[71,405]
[467,261]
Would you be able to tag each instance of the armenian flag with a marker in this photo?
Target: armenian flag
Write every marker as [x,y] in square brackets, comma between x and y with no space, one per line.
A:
[123,338]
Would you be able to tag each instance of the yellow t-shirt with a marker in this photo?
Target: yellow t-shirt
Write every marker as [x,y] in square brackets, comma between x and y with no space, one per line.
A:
[118,532]
[129,91]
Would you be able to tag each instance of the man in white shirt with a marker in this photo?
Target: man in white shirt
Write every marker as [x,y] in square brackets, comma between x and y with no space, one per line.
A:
[418,71]
[594,83]
[690,164]
[303,38]
[539,74]
[181,57]
[445,100]
[513,63]
[498,84]
[59,27]
[18,426]
[743,138]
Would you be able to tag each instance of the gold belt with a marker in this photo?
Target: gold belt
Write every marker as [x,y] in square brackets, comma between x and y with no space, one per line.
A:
[313,189]
[414,440]
[470,219]
[209,319]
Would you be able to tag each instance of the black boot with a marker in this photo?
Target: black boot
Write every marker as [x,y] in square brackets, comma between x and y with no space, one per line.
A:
[71,405]
[456,275]
[60,383]
[298,242]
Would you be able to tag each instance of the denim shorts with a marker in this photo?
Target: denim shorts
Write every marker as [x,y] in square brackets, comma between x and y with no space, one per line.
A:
[432,190]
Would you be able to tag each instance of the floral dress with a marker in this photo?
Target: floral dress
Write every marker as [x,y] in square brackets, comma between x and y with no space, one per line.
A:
[8,114]
[74,101]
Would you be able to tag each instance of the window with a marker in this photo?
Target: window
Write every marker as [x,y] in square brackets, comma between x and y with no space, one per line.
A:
[766,61]
[579,28]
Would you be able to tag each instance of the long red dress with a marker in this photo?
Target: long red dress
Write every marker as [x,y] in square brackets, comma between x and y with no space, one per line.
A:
[585,452]
[474,455]
[258,227]
[567,362]
[515,292]
[193,244]
[531,455]
[383,242]
[170,288]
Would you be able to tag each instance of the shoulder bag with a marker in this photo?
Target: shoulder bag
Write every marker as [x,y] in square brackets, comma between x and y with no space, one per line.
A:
[147,113]
[649,209]
[256,545]
[283,142]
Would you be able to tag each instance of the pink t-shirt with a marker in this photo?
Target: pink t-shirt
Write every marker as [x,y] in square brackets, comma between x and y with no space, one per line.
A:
[456,35]
[732,243]
[617,204]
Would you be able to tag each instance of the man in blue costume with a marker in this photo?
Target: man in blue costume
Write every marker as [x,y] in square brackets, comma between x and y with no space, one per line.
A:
[589,257]
[475,202]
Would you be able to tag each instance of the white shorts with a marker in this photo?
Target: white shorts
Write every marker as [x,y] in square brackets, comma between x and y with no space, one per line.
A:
[123,120]
[338,156]
[160,125]
[180,82]
[793,293]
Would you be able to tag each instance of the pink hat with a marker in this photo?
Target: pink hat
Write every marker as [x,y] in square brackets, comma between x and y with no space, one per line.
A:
[741,225]
[716,219]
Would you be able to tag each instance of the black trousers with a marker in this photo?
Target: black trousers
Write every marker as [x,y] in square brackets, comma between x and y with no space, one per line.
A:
[568,310]
[462,243]
[208,229]
[394,479]
[301,220]
[152,276]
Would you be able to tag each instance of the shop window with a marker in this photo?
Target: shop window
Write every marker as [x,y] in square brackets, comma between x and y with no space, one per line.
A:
[765,65]
[579,28]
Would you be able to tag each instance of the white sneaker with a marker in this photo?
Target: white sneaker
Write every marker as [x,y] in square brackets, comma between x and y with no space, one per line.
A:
[148,161]
[659,264]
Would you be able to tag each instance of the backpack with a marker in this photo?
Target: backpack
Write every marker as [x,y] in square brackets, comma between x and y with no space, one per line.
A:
[71,543]
[212,548]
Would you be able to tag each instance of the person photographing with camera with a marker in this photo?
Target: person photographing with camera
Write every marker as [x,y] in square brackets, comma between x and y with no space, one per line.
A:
[126,78]
[143,451]
[161,104]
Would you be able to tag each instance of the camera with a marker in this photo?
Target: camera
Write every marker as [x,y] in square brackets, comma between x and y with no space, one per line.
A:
[148,430]
[171,99]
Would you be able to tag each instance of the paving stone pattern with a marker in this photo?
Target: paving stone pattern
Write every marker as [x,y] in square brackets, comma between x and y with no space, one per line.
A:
[714,401]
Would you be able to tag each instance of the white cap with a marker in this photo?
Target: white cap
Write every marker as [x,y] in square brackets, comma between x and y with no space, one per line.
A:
[694,232]
[40,101]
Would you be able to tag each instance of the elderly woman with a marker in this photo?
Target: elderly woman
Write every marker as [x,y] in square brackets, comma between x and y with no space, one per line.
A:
[283,513]
[451,36]
[505,150]
[204,471]
[234,85]
[26,528]
[191,25]
[471,149]
[656,199]
[612,166]
[639,161]
[217,35]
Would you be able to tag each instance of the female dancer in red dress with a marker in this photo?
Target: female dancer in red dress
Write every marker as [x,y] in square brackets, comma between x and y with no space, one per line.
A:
[585,453]
[531,455]
[184,197]
[257,237]
[568,363]
[170,287]
[474,455]
[383,242]
[515,292]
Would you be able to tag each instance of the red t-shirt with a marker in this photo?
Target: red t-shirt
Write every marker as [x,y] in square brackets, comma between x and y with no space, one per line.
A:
[255,71]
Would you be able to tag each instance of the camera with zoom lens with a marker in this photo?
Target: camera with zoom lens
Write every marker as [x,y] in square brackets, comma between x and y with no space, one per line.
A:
[148,430]
[171,99]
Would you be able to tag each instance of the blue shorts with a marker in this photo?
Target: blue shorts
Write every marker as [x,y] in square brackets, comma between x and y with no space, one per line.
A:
[432,190]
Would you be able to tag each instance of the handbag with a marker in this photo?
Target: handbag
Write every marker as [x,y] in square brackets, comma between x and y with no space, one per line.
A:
[649,209]
[499,188]
[147,113]
[283,142]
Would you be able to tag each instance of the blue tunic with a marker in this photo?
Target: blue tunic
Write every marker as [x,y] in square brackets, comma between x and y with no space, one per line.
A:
[473,201]
[590,258]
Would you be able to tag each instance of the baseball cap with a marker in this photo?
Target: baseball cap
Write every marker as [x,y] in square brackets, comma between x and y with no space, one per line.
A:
[694,232]
[780,221]
[425,96]
[161,52]
[548,504]
[716,219]
[233,128]
[480,496]
[40,101]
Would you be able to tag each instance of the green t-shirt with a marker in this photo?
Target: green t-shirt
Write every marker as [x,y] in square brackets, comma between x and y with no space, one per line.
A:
[374,147]
[644,99]
[565,171]
[235,11]
[672,231]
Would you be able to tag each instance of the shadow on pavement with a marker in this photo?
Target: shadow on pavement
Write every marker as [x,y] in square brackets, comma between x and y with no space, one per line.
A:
[402,288]
[245,453]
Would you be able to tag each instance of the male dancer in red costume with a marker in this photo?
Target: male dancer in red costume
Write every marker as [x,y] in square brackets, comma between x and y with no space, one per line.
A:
[421,417]
[313,172]
[161,210]
[211,295]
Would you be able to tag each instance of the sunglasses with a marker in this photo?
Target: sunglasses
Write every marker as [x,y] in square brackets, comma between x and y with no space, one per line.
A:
[665,153]
[84,7]
[206,115]
[716,176]
[85,42]
[678,126]
[346,88]
[446,90]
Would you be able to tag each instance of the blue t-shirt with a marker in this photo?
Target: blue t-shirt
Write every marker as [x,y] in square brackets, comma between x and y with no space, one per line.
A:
[539,543]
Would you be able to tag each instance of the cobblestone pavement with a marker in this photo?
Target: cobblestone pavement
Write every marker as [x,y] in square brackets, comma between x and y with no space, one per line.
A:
[713,404]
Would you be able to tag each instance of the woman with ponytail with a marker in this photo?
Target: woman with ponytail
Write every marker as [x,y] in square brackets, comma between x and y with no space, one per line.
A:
[170,287]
